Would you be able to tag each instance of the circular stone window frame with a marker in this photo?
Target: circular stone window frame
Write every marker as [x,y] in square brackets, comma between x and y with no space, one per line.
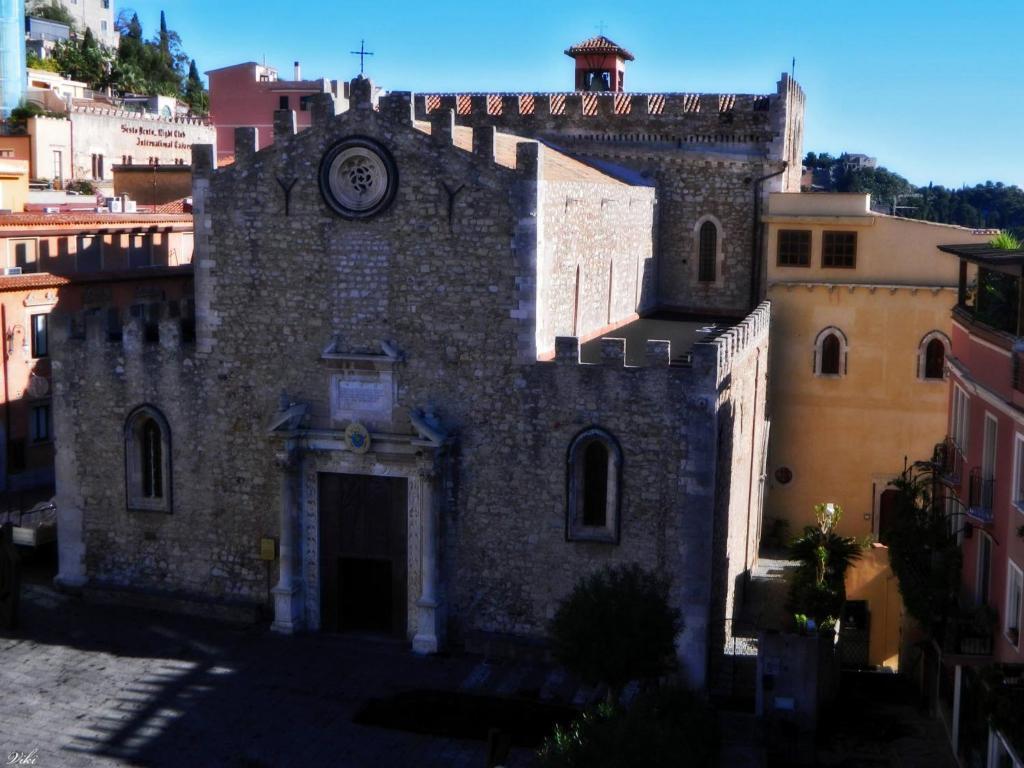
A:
[381,154]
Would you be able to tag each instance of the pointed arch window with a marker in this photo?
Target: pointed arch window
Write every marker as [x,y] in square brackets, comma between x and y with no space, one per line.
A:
[931,356]
[594,479]
[147,447]
[830,352]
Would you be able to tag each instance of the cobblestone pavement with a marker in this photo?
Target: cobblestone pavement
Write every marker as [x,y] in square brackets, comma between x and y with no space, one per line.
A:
[89,685]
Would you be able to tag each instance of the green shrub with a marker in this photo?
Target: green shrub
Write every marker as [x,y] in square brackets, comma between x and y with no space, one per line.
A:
[818,589]
[617,626]
[1005,241]
[81,186]
[665,728]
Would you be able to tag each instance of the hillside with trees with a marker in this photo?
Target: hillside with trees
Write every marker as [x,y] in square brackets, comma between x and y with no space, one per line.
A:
[157,66]
[992,204]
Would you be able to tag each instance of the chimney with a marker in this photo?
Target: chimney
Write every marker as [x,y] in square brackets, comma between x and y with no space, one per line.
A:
[298,71]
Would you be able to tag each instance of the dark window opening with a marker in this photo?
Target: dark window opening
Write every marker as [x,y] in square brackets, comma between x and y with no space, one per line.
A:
[831,352]
[152,458]
[41,423]
[282,102]
[595,485]
[597,80]
[16,456]
[934,359]
[794,248]
[304,102]
[839,249]
[708,252]
[40,335]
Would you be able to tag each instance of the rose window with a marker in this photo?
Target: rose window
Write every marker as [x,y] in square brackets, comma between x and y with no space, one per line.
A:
[358,178]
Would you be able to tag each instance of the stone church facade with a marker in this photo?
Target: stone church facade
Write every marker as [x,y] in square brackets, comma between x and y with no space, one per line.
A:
[436,361]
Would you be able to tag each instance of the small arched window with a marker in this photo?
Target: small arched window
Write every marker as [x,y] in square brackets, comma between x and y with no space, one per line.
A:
[931,356]
[830,352]
[708,253]
[147,443]
[593,474]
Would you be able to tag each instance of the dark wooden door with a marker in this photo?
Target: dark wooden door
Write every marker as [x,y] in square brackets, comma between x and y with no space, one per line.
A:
[363,561]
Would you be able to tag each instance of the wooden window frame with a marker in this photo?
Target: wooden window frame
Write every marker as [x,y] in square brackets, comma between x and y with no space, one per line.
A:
[831,258]
[790,250]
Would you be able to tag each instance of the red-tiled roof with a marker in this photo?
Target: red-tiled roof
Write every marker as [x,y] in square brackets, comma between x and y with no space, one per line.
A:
[184,205]
[86,219]
[27,282]
[49,280]
[599,44]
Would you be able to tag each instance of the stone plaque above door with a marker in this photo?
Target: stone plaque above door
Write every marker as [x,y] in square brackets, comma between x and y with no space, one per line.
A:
[362,395]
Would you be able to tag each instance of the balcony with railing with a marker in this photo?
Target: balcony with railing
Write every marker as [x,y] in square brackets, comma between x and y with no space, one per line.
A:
[981,492]
[949,462]
[970,631]
[989,299]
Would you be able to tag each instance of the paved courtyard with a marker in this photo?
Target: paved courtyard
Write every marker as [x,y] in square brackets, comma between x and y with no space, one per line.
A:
[87,685]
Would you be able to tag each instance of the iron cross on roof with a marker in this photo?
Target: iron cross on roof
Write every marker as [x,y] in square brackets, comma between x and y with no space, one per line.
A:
[362,53]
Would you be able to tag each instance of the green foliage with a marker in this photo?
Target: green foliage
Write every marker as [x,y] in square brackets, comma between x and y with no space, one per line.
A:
[666,728]
[617,626]
[81,186]
[138,66]
[1005,241]
[996,303]
[992,204]
[84,59]
[1003,702]
[50,9]
[34,62]
[818,588]
[923,553]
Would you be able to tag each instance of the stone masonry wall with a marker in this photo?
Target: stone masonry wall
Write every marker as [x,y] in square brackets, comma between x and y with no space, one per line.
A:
[704,152]
[742,441]
[604,233]
[280,277]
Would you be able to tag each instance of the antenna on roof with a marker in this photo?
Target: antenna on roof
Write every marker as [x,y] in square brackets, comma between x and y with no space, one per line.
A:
[601,28]
[792,74]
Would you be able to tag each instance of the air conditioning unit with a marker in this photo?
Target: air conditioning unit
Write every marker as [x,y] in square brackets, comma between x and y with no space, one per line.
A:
[12,271]
[51,210]
[114,204]
[130,206]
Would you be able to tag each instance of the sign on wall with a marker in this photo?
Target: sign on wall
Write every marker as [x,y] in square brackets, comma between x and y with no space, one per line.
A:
[362,395]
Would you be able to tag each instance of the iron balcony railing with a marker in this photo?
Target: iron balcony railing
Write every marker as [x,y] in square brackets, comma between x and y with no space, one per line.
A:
[965,640]
[949,461]
[981,491]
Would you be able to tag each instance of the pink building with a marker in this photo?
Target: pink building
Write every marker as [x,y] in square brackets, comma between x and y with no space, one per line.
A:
[986,470]
[247,95]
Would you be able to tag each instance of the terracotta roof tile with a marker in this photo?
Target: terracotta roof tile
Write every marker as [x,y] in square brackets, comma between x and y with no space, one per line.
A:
[34,280]
[87,219]
[184,205]
[599,44]
[28,282]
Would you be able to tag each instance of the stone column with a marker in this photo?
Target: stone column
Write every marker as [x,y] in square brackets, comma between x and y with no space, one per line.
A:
[287,597]
[428,626]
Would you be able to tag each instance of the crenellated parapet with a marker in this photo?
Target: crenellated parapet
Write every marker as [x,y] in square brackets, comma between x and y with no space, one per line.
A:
[727,347]
[168,326]
[126,114]
[677,119]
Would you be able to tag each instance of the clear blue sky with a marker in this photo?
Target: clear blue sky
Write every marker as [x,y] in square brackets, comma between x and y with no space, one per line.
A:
[933,88]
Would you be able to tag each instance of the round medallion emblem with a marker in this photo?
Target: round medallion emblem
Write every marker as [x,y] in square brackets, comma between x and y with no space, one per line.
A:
[357,438]
[358,178]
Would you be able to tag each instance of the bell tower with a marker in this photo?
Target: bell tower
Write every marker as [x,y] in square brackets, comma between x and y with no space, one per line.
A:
[600,64]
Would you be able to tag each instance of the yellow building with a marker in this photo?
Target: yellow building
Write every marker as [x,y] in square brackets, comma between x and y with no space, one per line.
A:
[860,329]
